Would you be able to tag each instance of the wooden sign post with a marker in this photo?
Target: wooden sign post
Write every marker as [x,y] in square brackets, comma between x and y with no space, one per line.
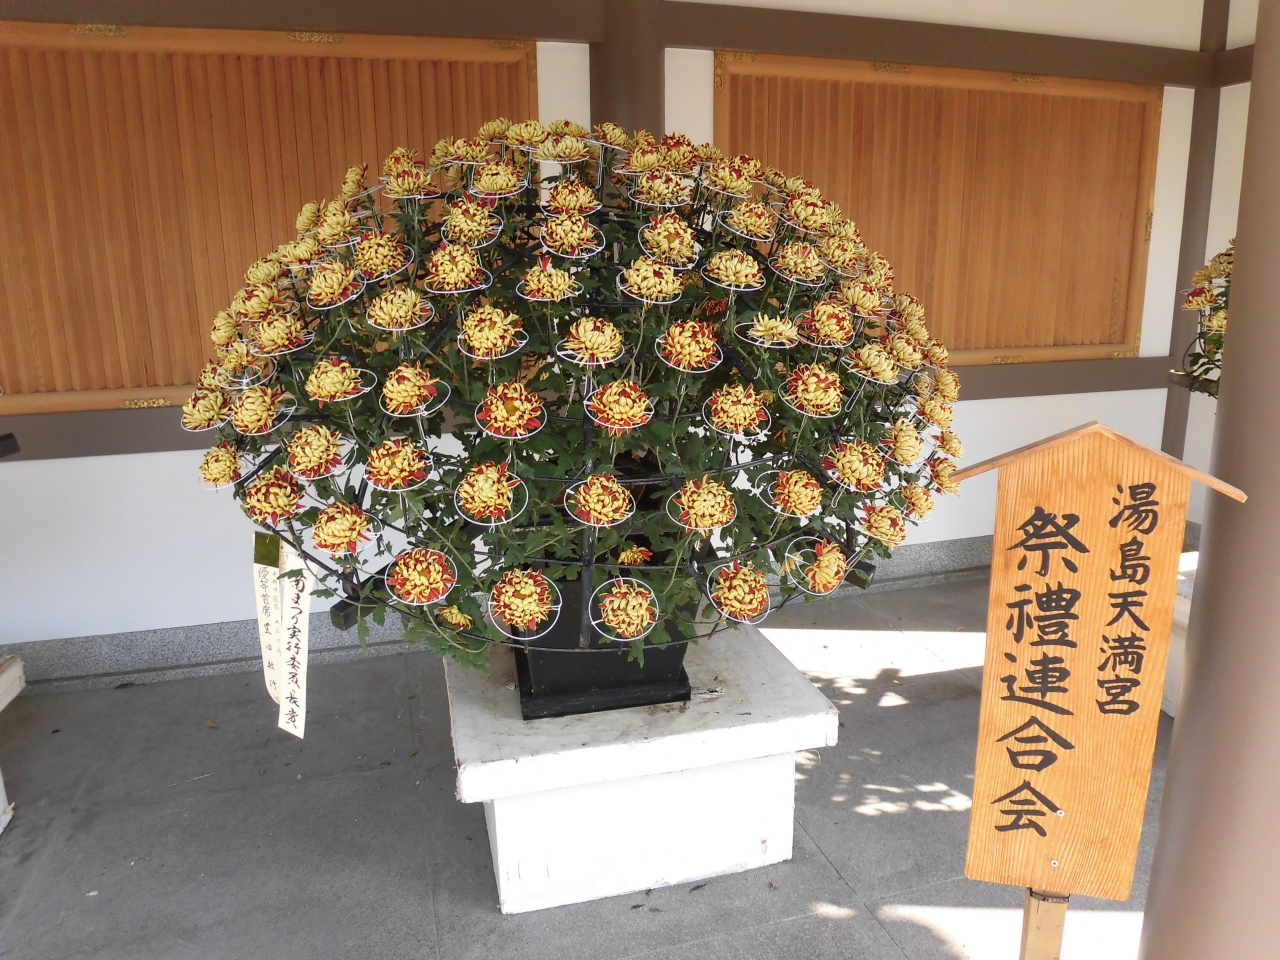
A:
[1089,528]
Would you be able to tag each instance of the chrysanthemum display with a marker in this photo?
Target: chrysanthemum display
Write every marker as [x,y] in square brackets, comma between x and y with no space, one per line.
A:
[453,267]
[797,492]
[490,331]
[569,234]
[885,522]
[221,465]
[255,410]
[705,505]
[422,576]
[740,591]
[206,407]
[668,237]
[398,309]
[815,389]
[627,608]
[651,280]
[468,222]
[408,387]
[855,464]
[272,497]
[511,369]
[735,268]
[620,406]
[592,340]
[510,410]
[690,345]
[380,254]
[332,282]
[828,568]
[1210,295]
[522,598]
[736,408]
[631,555]
[314,451]
[278,332]
[753,219]
[340,528]
[485,492]
[394,464]
[774,331]
[800,261]
[600,500]
[571,197]
[545,282]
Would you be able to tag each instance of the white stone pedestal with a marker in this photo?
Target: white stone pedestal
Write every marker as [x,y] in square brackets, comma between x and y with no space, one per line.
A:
[607,803]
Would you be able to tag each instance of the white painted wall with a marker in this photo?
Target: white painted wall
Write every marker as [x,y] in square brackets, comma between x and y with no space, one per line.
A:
[1242,23]
[690,93]
[1162,23]
[99,545]
[991,427]
[1228,166]
[1166,223]
[1198,449]
[564,82]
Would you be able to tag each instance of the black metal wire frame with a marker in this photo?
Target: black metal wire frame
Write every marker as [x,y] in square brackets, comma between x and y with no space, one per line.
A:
[355,590]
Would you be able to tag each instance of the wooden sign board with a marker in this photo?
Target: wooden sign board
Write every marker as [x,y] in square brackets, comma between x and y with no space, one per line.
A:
[1089,528]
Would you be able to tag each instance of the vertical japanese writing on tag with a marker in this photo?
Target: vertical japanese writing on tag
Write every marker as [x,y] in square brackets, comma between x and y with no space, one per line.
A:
[267,600]
[297,611]
[1041,670]
[1124,653]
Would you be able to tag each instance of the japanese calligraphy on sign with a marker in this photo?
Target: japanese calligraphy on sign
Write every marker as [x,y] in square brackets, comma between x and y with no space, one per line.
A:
[1089,527]
[283,626]
[298,582]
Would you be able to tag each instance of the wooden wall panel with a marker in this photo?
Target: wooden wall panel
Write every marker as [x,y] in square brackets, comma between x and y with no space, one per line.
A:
[142,173]
[1016,207]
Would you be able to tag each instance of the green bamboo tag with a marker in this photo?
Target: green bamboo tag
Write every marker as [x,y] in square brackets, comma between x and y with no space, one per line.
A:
[266,549]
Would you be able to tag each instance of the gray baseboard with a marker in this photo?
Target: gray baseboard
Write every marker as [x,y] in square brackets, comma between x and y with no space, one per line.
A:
[214,648]
[81,663]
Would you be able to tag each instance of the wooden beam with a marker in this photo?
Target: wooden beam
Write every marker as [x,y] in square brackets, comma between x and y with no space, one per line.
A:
[839,36]
[573,20]
[129,398]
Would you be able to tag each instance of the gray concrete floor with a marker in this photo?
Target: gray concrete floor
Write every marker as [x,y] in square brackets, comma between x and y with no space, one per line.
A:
[143,831]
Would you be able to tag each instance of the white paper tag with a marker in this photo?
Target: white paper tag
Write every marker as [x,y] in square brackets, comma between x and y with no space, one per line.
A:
[296,609]
[266,588]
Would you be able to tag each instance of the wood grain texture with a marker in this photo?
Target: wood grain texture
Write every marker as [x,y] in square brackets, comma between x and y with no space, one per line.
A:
[1015,206]
[1100,781]
[144,173]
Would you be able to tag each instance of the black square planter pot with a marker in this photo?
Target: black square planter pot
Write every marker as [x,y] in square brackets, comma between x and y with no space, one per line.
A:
[555,684]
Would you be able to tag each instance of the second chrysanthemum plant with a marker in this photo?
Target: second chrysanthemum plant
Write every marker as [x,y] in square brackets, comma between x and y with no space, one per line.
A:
[548,364]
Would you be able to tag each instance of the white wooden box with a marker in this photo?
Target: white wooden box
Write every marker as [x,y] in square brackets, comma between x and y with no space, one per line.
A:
[608,803]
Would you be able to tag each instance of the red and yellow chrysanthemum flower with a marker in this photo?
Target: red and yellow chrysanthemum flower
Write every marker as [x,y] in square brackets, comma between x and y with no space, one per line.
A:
[740,591]
[620,406]
[705,505]
[510,410]
[600,500]
[395,464]
[522,598]
[485,493]
[273,497]
[628,608]
[855,464]
[421,576]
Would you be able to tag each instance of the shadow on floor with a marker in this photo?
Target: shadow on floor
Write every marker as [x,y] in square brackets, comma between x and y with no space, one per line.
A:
[143,831]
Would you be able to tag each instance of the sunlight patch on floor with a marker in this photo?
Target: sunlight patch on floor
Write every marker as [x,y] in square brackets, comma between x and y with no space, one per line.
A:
[988,933]
[865,654]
